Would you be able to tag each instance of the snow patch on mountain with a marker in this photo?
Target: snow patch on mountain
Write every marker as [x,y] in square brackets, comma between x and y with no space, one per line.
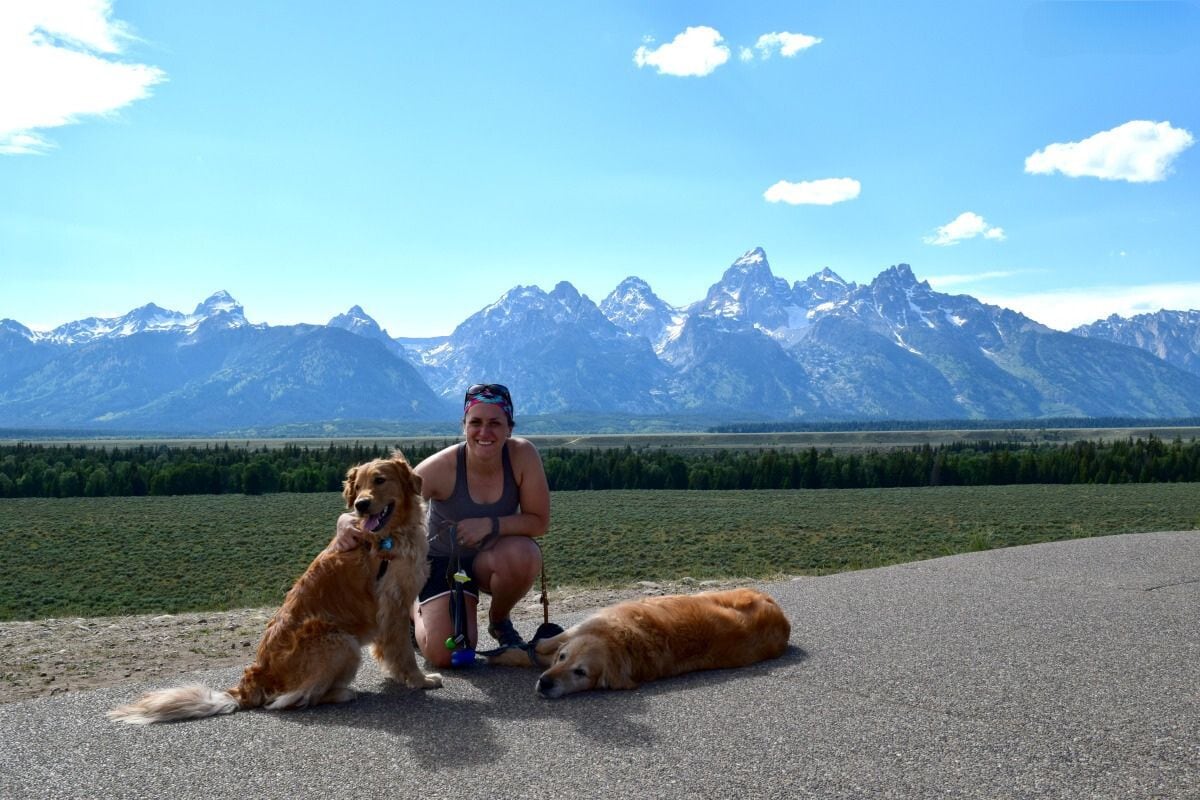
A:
[754,345]
[220,307]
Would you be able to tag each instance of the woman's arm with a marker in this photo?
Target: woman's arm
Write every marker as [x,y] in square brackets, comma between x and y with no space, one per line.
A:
[534,519]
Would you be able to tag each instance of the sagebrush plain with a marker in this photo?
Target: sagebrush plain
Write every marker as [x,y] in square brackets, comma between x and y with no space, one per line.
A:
[151,555]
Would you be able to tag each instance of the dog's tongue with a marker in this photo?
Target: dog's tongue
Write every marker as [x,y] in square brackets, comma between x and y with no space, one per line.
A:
[372,523]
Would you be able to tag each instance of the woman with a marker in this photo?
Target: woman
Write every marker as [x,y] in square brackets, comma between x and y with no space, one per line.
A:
[488,499]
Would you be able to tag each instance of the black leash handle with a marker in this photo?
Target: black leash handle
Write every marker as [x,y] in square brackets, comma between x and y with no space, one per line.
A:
[545,597]
[460,646]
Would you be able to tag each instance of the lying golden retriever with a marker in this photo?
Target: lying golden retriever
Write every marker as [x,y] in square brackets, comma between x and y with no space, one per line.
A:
[625,645]
[312,647]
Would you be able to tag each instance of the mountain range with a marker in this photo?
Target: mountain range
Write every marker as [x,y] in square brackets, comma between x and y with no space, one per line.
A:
[753,348]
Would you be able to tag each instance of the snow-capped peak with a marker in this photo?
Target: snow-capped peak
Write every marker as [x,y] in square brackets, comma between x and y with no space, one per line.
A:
[633,284]
[14,327]
[751,258]
[566,293]
[826,275]
[632,299]
[900,275]
[150,317]
[748,292]
[636,309]
[358,321]
[220,302]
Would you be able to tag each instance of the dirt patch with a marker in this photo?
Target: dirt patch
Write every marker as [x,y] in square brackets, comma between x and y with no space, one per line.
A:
[54,656]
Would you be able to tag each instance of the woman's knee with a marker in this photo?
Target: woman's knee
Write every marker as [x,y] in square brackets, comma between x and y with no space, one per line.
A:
[513,556]
[437,657]
[434,624]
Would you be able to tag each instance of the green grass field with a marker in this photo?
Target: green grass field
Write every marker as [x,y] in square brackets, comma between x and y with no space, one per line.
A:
[104,556]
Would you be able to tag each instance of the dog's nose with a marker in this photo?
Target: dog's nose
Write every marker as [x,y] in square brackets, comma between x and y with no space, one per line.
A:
[362,505]
[545,684]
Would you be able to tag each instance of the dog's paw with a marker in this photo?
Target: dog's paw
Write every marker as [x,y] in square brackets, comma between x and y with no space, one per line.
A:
[421,680]
[342,694]
[511,657]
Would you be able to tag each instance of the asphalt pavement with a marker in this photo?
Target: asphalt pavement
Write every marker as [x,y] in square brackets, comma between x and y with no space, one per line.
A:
[1065,670]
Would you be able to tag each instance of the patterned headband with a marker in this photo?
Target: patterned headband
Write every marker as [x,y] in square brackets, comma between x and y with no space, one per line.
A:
[492,394]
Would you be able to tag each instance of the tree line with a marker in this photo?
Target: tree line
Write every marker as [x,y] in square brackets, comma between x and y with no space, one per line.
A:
[1045,423]
[34,470]
[28,470]
[959,464]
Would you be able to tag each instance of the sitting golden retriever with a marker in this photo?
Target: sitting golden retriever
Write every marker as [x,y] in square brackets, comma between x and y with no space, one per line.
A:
[312,647]
[623,646]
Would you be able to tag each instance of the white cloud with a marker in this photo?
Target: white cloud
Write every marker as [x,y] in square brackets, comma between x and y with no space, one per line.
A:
[786,44]
[57,64]
[696,52]
[1139,152]
[820,193]
[1064,309]
[966,225]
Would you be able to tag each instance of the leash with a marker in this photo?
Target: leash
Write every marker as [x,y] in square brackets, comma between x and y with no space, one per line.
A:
[545,597]
[456,577]
[461,654]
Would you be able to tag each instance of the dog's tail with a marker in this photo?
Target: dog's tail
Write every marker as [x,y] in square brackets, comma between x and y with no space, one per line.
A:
[183,702]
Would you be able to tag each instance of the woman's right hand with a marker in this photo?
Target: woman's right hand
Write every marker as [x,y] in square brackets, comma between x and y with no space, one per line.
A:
[349,534]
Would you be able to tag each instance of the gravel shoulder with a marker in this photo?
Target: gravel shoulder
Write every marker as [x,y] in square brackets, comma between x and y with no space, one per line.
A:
[50,657]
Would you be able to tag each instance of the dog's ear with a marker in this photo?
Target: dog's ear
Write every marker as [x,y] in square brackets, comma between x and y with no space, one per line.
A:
[405,473]
[348,490]
[616,672]
[546,648]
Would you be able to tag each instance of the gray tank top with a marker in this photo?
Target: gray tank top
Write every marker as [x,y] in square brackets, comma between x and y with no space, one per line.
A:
[459,505]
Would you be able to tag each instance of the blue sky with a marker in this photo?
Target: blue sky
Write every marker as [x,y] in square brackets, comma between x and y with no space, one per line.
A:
[421,159]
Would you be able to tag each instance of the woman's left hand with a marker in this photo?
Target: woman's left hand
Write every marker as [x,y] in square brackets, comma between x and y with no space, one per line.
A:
[473,532]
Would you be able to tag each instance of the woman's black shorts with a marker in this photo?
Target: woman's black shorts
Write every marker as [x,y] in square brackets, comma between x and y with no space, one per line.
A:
[440,582]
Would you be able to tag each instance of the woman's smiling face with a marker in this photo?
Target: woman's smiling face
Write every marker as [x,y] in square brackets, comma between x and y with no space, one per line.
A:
[485,428]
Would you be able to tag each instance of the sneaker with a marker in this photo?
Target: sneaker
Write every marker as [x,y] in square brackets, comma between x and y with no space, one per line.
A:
[504,633]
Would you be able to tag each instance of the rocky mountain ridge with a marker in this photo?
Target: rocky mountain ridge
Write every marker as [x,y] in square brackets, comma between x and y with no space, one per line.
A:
[754,348]
[1173,336]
